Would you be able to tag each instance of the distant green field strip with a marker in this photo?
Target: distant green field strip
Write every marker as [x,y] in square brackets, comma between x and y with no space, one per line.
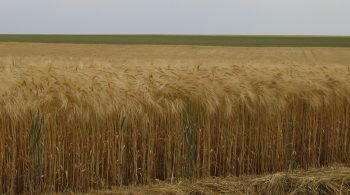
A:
[250,41]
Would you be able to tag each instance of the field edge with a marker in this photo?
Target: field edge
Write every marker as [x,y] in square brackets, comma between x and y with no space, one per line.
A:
[325,180]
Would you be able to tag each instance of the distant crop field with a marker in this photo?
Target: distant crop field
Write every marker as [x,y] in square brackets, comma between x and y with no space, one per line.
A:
[82,117]
[251,41]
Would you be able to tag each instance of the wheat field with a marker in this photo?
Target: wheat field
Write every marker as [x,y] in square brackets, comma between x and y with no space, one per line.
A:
[83,117]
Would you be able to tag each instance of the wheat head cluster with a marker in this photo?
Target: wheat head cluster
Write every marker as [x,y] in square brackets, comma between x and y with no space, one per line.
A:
[80,123]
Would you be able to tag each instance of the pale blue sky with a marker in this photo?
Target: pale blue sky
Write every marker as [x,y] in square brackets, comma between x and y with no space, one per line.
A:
[294,17]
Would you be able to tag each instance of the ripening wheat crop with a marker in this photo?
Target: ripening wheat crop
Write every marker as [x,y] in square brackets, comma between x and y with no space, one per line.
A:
[83,123]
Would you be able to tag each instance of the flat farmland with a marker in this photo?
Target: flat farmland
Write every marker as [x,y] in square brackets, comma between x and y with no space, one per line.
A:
[204,40]
[79,117]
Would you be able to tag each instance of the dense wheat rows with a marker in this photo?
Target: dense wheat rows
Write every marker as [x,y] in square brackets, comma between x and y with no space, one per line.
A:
[75,122]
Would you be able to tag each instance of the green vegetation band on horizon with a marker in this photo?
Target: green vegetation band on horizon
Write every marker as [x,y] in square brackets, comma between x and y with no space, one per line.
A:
[203,40]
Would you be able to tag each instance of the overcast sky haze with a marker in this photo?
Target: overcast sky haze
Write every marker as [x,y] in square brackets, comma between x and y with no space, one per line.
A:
[251,17]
